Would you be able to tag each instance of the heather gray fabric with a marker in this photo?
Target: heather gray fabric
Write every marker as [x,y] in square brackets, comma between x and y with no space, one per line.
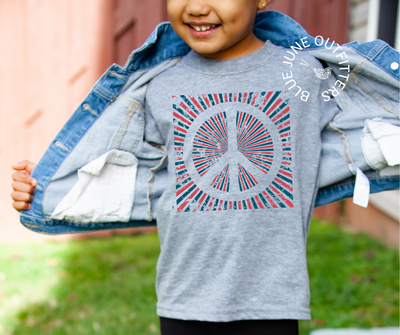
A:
[243,155]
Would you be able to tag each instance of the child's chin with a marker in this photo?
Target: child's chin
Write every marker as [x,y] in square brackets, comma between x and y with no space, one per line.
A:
[205,51]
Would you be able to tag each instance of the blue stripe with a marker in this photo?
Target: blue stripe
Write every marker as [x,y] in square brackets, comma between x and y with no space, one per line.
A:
[271,100]
[189,103]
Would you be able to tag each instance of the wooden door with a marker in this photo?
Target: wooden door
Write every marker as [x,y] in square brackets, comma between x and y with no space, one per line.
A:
[134,20]
[328,18]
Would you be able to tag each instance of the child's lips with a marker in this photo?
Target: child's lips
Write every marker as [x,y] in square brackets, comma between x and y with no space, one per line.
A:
[203,31]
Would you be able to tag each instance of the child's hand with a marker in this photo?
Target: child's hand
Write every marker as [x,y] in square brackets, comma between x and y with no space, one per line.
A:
[23,185]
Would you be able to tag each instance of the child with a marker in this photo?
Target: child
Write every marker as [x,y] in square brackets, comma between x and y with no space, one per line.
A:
[243,158]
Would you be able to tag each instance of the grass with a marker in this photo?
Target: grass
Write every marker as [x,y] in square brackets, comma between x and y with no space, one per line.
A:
[106,286]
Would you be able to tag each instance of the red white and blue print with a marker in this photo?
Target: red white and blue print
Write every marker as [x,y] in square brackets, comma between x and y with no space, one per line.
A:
[211,144]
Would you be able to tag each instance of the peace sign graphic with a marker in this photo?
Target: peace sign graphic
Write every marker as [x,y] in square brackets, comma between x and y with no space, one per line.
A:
[227,162]
[249,144]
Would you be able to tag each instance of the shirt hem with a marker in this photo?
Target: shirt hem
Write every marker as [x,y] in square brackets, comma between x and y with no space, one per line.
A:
[273,313]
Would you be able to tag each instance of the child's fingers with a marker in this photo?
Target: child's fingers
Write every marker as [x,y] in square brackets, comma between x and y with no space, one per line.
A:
[21,196]
[24,165]
[20,205]
[24,177]
[23,187]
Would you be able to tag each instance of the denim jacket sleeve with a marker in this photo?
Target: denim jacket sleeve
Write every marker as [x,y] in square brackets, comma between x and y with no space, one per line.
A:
[105,135]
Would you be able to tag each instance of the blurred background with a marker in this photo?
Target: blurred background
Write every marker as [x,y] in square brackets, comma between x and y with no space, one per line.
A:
[51,53]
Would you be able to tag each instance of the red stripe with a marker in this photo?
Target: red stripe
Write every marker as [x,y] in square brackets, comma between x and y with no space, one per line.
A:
[184,188]
[260,150]
[216,99]
[254,99]
[249,144]
[240,205]
[206,146]
[212,183]
[274,106]
[280,195]
[182,178]
[182,206]
[283,125]
[187,109]
[206,100]
[259,202]
[230,205]
[220,181]
[240,176]
[244,97]
[276,118]
[286,173]
[249,203]
[287,186]
[245,176]
[178,168]
[195,102]
[179,139]
[181,118]
[269,199]
[210,204]
[226,183]
[180,129]
[285,134]
[235,97]
[226,97]
[266,99]
[202,199]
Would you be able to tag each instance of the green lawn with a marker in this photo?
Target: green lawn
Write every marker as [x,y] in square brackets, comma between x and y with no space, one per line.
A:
[106,286]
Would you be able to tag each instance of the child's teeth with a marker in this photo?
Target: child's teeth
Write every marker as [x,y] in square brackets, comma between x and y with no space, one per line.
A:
[203,28]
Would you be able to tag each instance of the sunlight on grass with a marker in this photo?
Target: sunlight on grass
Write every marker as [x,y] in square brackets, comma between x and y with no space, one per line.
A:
[103,286]
[106,286]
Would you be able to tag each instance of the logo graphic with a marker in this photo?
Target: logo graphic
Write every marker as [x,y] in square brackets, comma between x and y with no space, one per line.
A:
[320,73]
[225,156]
[342,74]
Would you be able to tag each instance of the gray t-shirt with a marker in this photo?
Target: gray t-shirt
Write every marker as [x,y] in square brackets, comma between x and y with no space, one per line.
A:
[243,155]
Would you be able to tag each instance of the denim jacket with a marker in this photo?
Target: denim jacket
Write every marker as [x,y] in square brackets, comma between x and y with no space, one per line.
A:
[108,127]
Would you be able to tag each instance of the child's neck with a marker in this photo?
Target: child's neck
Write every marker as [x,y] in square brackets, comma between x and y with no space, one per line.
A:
[244,47]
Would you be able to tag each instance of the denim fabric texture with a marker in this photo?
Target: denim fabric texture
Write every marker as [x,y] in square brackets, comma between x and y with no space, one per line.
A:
[112,117]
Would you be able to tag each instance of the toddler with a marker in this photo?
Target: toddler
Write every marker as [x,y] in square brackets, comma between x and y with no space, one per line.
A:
[243,158]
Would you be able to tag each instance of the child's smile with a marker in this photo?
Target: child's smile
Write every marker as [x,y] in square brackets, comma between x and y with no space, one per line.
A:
[217,29]
[203,30]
